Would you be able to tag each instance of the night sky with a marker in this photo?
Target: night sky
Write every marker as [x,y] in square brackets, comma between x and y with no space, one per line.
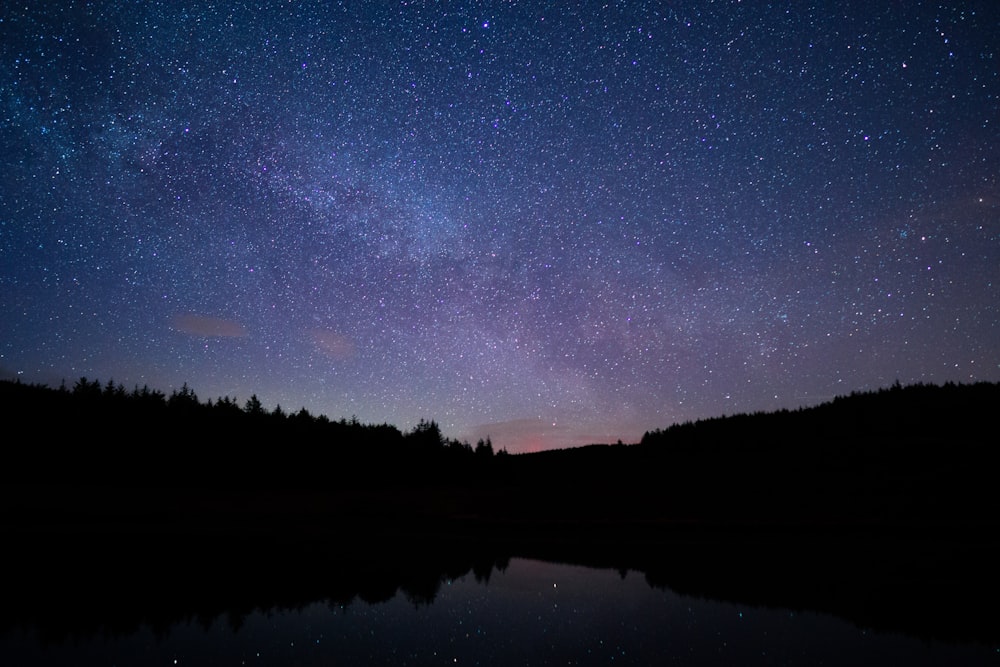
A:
[553,224]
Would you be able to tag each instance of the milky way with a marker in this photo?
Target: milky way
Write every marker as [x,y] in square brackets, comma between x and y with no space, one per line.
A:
[553,225]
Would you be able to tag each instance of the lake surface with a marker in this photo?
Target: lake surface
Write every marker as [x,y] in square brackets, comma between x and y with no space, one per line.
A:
[528,612]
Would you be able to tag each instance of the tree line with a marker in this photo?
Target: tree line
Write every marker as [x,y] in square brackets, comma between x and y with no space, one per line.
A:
[85,432]
[918,413]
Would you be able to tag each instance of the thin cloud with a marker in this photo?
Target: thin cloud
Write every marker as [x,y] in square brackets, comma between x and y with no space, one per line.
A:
[204,325]
[332,344]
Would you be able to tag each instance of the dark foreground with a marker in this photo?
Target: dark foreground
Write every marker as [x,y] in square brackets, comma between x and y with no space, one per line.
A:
[127,509]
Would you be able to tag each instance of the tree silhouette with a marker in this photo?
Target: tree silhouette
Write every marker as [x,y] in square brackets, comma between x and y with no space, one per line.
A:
[484,448]
[253,406]
[185,399]
[426,436]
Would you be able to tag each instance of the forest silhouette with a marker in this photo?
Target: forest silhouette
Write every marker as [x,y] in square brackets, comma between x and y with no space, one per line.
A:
[921,454]
[880,506]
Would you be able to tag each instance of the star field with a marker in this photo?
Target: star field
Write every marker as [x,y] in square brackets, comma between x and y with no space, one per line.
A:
[552,225]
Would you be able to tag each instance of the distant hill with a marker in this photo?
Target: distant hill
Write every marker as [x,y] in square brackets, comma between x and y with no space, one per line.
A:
[912,455]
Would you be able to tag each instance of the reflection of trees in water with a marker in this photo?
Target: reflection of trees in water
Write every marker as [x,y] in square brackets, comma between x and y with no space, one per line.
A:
[880,582]
[161,585]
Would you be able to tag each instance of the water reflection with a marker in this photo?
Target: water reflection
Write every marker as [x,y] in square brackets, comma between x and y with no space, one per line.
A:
[520,612]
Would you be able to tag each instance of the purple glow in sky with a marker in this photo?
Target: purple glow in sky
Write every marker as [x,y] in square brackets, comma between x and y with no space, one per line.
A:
[550,224]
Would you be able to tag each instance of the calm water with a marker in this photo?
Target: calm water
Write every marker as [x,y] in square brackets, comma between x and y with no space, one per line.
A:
[530,613]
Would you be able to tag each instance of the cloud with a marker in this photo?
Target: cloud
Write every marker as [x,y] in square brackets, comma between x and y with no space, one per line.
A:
[332,344]
[203,325]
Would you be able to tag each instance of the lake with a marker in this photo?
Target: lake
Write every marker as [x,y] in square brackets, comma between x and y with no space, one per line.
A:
[516,612]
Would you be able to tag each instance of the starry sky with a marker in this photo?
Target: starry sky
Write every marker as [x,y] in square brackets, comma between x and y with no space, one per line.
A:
[548,223]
